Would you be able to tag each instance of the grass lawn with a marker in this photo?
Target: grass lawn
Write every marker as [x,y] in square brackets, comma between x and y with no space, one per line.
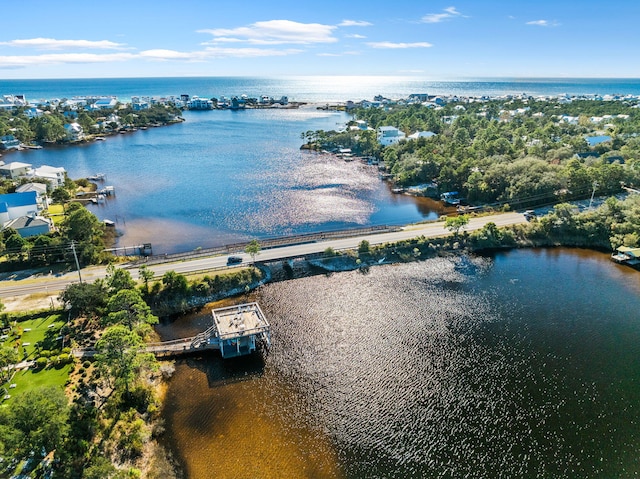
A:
[34,331]
[56,213]
[28,379]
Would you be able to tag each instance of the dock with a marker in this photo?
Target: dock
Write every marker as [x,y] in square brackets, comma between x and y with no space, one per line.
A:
[235,331]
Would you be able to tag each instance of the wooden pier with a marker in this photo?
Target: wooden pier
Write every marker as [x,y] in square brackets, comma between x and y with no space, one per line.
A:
[235,331]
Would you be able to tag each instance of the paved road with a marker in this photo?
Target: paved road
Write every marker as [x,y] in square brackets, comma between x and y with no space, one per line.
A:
[52,283]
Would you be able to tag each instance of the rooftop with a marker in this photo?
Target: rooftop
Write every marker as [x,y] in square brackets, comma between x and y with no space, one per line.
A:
[236,321]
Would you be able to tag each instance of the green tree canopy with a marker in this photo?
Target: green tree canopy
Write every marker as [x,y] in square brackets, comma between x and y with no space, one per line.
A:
[35,422]
[120,357]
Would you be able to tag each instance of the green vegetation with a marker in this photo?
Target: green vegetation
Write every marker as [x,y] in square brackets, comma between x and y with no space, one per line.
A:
[49,127]
[253,249]
[78,226]
[516,152]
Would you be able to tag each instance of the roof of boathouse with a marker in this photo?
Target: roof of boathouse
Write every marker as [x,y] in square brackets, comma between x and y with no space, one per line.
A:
[240,320]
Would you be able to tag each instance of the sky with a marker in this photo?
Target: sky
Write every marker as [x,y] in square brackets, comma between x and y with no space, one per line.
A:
[432,40]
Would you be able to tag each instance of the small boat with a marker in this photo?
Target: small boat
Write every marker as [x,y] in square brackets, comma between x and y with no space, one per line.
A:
[99,138]
[108,222]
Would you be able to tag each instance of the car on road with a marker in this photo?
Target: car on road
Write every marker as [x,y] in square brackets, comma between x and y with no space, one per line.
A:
[234,260]
[529,215]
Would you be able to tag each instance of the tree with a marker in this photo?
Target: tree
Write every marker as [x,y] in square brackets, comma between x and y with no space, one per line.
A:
[8,358]
[455,223]
[120,357]
[60,195]
[364,247]
[175,284]
[85,298]
[253,249]
[119,279]
[84,228]
[36,422]
[146,275]
[128,308]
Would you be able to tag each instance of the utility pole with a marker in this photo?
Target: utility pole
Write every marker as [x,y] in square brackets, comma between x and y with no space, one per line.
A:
[595,185]
[73,248]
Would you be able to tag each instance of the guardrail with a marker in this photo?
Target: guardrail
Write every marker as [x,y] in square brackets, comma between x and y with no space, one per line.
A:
[264,244]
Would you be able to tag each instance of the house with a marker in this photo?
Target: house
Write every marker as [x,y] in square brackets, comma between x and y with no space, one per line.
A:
[105,104]
[15,169]
[9,142]
[39,188]
[389,135]
[30,225]
[197,103]
[74,131]
[421,134]
[33,112]
[596,140]
[54,175]
[15,205]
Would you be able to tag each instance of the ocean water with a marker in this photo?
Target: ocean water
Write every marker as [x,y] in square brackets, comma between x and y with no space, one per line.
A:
[315,88]
[223,177]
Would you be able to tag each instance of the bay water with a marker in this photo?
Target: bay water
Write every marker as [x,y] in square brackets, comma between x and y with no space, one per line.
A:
[449,367]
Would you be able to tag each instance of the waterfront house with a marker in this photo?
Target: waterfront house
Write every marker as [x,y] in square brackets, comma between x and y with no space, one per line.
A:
[389,135]
[30,225]
[9,142]
[198,103]
[74,131]
[627,255]
[33,112]
[15,169]
[54,175]
[15,205]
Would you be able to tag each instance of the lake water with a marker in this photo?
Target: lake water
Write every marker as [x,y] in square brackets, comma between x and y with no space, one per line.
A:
[223,176]
[457,367]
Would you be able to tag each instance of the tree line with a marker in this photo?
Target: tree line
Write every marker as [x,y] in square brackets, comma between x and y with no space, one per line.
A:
[493,156]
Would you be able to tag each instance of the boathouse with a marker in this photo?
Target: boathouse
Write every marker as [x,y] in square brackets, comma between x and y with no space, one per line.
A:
[626,255]
[239,329]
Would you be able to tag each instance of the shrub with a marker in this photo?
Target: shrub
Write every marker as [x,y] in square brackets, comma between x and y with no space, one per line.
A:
[41,363]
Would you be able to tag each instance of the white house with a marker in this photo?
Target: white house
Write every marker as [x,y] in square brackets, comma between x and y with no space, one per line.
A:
[15,169]
[54,175]
[197,103]
[421,134]
[15,205]
[389,135]
[74,131]
[39,188]
[33,112]
[105,103]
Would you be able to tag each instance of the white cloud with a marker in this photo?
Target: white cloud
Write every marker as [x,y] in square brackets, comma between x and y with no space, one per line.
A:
[354,23]
[392,45]
[275,32]
[354,35]
[337,54]
[449,13]
[60,58]
[543,23]
[215,52]
[54,44]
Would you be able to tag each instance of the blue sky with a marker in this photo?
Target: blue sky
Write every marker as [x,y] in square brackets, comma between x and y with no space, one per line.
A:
[429,39]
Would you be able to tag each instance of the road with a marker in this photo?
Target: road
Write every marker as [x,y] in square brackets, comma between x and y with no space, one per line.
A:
[46,283]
